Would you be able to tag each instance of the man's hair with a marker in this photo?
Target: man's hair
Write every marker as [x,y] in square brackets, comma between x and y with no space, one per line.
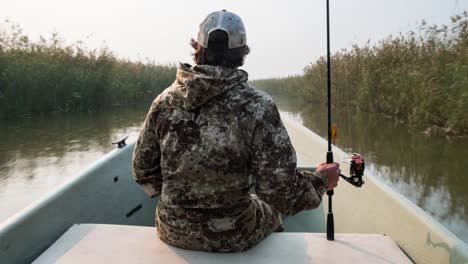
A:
[218,53]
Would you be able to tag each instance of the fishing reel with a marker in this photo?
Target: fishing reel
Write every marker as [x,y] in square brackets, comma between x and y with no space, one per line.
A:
[356,169]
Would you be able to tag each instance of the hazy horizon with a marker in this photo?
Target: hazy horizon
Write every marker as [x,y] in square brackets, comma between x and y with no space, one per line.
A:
[284,37]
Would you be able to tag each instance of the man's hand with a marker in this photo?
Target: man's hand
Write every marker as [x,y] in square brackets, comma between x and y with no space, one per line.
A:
[331,171]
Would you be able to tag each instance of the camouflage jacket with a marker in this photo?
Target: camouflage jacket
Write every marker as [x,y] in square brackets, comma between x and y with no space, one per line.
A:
[206,141]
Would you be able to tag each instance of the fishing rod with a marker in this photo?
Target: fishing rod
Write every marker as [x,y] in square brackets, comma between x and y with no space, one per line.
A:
[356,162]
[330,221]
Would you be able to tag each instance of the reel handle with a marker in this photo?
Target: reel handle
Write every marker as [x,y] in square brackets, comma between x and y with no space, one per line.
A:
[357,183]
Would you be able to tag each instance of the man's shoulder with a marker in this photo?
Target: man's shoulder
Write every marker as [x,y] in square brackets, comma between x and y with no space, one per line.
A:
[253,97]
[165,99]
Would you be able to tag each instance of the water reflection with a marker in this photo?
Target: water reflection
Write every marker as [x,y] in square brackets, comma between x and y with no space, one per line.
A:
[430,171]
[38,154]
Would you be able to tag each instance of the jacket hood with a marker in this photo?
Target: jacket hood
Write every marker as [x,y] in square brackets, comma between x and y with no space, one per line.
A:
[199,84]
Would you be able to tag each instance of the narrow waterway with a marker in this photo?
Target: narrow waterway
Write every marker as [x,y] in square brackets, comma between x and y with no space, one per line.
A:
[38,154]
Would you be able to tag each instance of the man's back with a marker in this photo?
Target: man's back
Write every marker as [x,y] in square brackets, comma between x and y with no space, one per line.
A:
[205,139]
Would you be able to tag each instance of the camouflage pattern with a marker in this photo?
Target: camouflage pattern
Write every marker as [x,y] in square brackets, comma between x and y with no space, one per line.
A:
[206,142]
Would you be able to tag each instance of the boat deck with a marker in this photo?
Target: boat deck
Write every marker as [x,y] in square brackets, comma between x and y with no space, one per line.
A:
[99,243]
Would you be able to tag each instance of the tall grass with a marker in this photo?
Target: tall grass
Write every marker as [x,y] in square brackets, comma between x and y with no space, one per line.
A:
[420,77]
[51,76]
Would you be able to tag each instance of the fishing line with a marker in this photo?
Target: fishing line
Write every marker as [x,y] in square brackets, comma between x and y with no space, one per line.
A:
[348,103]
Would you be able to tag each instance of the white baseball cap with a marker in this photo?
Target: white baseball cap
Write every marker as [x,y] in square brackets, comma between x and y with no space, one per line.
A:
[226,21]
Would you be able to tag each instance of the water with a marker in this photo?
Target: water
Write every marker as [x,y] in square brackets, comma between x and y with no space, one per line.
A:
[37,155]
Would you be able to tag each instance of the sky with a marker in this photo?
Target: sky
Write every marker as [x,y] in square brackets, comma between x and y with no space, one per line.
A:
[284,36]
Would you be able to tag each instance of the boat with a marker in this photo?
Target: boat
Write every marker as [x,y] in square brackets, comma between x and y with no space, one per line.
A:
[105,198]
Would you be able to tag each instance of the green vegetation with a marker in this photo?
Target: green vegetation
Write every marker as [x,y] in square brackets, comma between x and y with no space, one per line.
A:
[419,77]
[51,76]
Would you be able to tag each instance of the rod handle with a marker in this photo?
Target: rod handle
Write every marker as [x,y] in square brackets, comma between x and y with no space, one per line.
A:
[330,227]
[329,157]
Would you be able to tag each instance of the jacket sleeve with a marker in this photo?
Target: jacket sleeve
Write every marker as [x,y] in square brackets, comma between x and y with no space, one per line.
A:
[274,169]
[147,158]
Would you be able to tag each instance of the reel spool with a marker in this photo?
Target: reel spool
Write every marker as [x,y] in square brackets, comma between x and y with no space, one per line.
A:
[356,169]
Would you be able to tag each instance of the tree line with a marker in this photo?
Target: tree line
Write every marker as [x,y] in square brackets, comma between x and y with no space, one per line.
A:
[420,77]
[39,77]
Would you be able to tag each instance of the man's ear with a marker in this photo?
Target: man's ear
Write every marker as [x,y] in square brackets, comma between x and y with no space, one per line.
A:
[194,44]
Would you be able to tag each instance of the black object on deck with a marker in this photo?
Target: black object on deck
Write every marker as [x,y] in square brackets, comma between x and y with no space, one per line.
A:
[120,143]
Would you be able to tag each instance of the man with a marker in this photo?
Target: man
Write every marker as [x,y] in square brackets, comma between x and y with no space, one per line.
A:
[208,139]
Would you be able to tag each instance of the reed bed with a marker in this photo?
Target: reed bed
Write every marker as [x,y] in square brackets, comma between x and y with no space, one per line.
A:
[420,77]
[40,77]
